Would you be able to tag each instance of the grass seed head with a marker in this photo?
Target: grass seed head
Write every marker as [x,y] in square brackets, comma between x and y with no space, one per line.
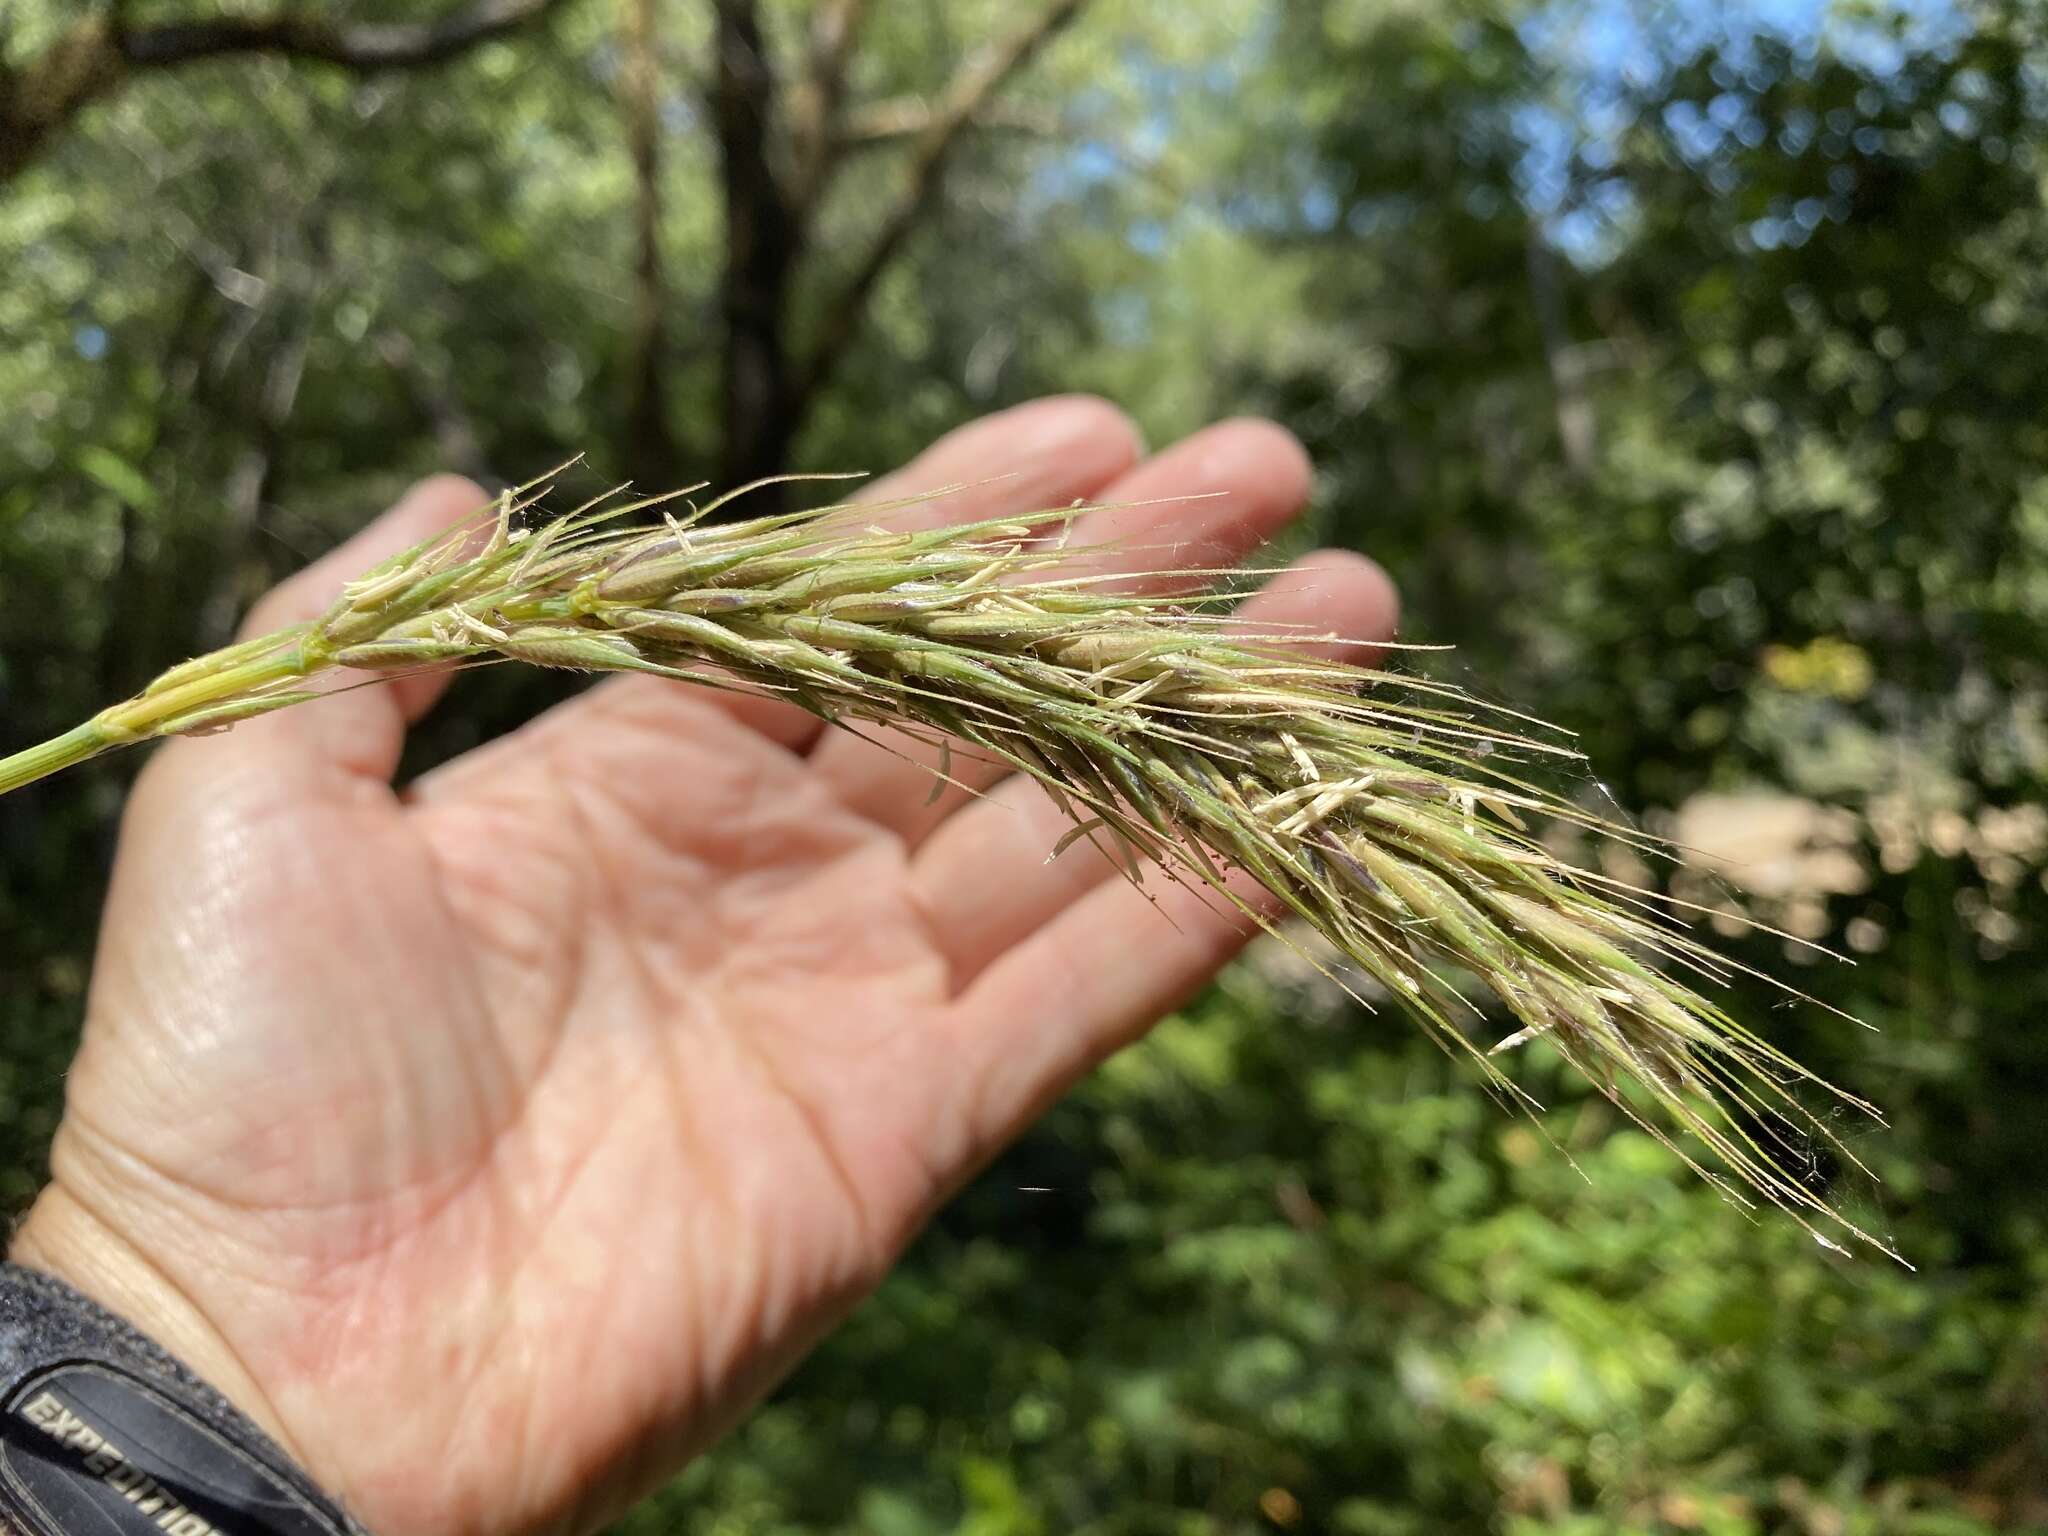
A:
[1387,812]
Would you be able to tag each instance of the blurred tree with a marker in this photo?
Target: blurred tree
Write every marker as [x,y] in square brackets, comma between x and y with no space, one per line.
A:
[1684,363]
[98,53]
[775,174]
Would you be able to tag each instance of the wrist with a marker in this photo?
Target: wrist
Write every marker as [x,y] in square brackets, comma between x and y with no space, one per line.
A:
[105,1430]
[62,1237]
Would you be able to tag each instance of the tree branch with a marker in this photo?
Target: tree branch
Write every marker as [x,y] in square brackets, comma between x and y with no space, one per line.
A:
[95,56]
[814,107]
[1577,428]
[297,34]
[82,64]
[296,264]
[651,454]
[763,240]
[878,124]
[962,100]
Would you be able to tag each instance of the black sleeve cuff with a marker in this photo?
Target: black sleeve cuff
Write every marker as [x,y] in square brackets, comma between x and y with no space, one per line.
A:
[103,1433]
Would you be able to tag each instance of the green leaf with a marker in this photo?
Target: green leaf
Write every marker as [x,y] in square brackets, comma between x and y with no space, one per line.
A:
[116,474]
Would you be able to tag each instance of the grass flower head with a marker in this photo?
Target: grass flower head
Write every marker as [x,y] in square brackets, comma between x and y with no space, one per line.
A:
[1396,817]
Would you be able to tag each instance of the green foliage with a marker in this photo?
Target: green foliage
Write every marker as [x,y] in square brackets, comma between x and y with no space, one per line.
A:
[1386,1299]
[1686,367]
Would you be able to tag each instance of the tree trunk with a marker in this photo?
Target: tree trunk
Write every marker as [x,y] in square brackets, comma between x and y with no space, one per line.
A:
[760,407]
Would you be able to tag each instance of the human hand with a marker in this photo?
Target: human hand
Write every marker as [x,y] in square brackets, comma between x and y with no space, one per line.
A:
[497,1143]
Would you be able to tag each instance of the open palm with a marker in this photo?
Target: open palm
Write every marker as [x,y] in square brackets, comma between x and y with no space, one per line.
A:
[498,1142]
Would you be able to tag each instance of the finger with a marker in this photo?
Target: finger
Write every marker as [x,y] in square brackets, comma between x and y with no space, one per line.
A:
[1051,1009]
[356,732]
[1201,506]
[1231,487]
[987,871]
[1032,456]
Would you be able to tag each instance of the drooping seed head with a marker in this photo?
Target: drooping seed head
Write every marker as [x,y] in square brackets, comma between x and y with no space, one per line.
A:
[1389,812]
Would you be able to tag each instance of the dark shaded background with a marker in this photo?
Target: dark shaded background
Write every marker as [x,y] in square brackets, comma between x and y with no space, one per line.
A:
[1687,365]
